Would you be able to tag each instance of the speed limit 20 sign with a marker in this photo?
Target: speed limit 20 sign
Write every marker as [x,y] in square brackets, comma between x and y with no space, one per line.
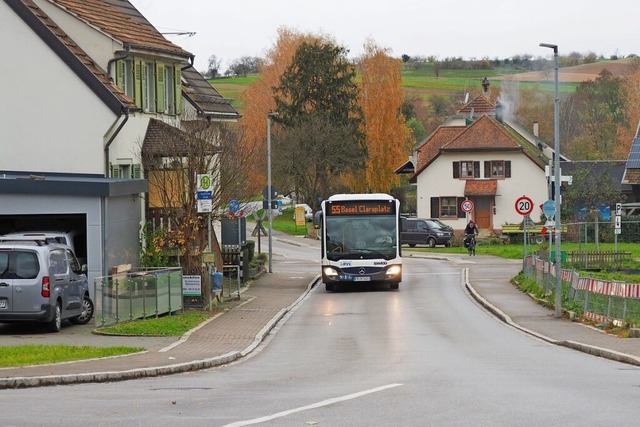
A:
[524,205]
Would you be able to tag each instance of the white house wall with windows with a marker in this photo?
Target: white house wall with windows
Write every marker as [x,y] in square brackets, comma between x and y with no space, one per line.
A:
[85,80]
[485,161]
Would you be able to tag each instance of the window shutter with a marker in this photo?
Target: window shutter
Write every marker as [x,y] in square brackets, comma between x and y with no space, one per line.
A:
[487,169]
[136,171]
[137,78]
[178,83]
[476,169]
[143,84]
[435,207]
[461,213]
[160,88]
[456,169]
[120,73]
[115,171]
[507,169]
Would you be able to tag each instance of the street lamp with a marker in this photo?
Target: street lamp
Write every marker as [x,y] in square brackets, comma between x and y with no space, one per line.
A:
[556,170]
[269,190]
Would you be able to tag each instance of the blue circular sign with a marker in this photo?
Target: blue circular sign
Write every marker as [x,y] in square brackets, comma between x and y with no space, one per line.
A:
[234,206]
[549,208]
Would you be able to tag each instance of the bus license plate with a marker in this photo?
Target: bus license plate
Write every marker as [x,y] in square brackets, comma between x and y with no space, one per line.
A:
[362,279]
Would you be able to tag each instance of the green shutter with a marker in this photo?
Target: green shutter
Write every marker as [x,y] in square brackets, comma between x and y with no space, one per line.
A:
[137,171]
[178,83]
[143,84]
[115,171]
[160,88]
[137,76]
[120,73]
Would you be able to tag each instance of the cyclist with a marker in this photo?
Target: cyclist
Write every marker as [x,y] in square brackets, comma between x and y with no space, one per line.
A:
[470,233]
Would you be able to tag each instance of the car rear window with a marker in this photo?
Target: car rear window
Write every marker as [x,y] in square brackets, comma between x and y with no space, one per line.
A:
[19,265]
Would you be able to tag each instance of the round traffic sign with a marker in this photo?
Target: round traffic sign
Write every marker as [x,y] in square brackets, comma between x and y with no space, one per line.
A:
[549,208]
[524,205]
[467,206]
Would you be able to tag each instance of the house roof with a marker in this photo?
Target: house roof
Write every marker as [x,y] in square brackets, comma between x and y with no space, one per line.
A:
[204,97]
[481,187]
[614,168]
[484,134]
[632,168]
[122,21]
[478,106]
[75,58]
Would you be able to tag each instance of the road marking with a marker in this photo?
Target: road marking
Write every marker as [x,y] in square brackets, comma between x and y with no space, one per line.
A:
[313,406]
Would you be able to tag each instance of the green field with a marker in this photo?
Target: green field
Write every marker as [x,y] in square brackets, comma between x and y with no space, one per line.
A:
[422,83]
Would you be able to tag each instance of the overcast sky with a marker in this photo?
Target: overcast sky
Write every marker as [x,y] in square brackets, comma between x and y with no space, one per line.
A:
[465,28]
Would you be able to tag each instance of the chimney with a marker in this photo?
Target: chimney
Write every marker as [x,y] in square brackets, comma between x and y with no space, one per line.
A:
[536,129]
[485,87]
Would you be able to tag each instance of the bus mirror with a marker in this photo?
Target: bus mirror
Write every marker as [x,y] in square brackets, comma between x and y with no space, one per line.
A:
[317,220]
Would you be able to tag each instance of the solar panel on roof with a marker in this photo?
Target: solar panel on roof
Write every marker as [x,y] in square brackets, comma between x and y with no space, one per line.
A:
[633,162]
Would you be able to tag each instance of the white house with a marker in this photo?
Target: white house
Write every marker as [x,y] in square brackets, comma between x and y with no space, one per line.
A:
[477,156]
[83,80]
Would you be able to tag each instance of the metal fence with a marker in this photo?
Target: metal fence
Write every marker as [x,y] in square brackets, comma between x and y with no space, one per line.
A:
[137,294]
[600,300]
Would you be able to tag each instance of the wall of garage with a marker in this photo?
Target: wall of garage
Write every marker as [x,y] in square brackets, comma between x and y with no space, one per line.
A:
[84,214]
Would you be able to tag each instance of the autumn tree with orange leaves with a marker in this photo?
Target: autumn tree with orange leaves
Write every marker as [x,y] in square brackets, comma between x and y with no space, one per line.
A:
[258,100]
[388,139]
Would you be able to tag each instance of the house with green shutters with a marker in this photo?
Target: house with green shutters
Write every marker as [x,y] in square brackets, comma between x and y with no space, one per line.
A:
[84,81]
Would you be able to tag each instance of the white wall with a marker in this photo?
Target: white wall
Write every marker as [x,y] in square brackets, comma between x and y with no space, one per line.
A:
[49,120]
[526,179]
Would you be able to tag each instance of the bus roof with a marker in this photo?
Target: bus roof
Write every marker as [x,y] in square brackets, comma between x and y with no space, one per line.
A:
[363,196]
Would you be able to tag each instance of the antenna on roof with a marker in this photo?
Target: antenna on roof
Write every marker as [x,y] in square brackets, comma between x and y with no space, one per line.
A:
[180,33]
[466,97]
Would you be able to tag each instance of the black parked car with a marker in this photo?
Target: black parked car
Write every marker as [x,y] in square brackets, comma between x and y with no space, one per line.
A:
[417,231]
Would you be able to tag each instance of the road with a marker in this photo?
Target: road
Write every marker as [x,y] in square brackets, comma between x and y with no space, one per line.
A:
[424,355]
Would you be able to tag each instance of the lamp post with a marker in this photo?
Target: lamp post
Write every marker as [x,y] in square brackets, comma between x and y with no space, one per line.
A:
[556,170]
[269,190]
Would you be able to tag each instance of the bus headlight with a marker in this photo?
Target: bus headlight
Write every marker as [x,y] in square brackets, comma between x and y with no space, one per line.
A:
[330,272]
[393,270]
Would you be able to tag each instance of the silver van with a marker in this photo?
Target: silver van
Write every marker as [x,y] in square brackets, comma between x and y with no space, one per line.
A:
[42,282]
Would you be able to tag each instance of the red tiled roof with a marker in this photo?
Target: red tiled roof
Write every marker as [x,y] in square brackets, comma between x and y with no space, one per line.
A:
[484,133]
[122,21]
[485,187]
[430,148]
[480,105]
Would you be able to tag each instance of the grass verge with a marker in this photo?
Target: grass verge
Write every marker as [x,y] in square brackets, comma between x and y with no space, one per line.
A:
[31,354]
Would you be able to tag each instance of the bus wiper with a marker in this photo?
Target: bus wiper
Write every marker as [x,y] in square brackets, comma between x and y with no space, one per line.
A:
[372,252]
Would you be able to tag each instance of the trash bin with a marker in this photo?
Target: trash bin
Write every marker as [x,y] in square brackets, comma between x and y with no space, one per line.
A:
[216,281]
[563,257]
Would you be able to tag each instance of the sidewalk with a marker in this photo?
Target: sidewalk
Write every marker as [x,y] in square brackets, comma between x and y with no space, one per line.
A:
[236,333]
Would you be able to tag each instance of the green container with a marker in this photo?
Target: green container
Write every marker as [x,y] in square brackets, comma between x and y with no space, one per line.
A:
[563,257]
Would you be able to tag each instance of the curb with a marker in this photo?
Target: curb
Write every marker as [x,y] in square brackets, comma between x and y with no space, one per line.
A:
[574,345]
[112,376]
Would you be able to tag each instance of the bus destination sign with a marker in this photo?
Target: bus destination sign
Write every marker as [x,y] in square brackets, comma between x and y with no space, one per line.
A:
[361,207]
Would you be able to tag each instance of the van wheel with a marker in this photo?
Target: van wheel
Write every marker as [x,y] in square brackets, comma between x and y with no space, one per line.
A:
[87,313]
[431,242]
[56,323]
[412,245]
[448,244]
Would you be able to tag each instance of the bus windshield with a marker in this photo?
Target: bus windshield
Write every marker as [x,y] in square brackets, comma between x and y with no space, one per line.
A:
[361,237]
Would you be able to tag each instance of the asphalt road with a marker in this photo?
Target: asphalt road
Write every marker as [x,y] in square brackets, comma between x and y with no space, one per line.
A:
[424,355]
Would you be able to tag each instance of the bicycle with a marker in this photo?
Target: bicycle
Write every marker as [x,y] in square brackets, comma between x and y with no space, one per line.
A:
[470,243]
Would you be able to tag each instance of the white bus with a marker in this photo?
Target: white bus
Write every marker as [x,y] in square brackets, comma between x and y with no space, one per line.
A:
[360,236]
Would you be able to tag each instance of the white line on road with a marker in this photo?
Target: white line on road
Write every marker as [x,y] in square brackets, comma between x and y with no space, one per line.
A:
[313,406]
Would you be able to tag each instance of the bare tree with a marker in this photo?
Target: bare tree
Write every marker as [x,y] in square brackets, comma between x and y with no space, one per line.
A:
[172,162]
[213,70]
